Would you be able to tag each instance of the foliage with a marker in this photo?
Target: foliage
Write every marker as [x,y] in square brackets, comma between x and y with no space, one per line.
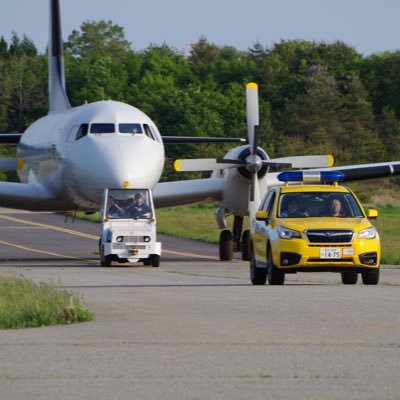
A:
[25,304]
[314,97]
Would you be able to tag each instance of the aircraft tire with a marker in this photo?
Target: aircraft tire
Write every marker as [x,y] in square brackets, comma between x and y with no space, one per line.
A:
[246,256]
[349,278]
[225,245]
[370,278]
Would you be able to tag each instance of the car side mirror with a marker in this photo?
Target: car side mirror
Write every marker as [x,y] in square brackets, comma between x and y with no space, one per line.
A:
[262,216]
[372,214]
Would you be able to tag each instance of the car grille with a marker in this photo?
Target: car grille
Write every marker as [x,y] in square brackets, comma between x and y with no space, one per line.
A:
[329,235]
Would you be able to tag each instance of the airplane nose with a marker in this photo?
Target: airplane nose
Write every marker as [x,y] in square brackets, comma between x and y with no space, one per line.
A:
[111,161]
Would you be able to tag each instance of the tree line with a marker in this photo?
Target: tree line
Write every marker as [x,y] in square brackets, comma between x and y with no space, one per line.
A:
[315,98]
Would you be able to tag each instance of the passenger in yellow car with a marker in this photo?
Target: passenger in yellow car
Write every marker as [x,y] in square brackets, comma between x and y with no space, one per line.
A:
[335,208]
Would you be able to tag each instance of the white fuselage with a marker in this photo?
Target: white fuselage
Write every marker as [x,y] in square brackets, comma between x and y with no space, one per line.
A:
[76,166]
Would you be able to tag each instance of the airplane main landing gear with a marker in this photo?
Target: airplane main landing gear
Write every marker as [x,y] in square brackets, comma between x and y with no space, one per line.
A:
[234,241]
[225,245]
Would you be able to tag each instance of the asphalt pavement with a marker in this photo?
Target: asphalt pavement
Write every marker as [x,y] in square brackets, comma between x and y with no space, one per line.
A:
[194,328]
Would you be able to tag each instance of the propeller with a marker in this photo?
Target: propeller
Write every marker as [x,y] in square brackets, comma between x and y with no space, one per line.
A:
[253,162]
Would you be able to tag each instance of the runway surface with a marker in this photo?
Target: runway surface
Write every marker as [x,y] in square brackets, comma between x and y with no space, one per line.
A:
[194,328]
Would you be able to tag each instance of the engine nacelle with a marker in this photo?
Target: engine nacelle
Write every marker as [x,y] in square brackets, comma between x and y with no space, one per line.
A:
[237,181]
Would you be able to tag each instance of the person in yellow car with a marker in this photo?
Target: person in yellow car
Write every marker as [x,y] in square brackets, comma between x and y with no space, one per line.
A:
[335,208]
[313,227]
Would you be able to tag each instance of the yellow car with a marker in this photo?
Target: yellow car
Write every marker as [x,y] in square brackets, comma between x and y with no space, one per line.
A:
[313,227]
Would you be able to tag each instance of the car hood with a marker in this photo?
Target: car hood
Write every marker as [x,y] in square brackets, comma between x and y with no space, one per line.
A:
[301,224]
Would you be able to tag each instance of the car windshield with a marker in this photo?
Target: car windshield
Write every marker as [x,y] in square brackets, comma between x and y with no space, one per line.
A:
[318,204]
[128,204]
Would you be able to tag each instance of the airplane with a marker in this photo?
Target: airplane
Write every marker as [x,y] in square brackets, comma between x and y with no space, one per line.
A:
[67,158]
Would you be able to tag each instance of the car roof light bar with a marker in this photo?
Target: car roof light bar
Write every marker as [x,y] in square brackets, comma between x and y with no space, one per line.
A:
[311,176]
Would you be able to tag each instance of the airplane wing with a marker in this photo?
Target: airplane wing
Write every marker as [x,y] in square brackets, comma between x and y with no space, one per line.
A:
[168,194]
[187,139]
[10,138]
[368,171]
[355,172]
[32,196]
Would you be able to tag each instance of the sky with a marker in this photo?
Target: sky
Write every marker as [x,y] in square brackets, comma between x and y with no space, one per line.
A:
[370,26]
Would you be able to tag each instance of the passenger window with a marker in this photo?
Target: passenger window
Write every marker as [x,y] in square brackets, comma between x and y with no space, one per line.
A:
[271,204]
[102,128]
[148,131]
[130,128]
[82,131]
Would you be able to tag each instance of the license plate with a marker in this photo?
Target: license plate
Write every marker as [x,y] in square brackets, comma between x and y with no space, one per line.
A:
[329,252]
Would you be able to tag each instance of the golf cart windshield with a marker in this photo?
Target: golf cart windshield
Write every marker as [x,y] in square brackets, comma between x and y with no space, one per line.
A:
[128,204]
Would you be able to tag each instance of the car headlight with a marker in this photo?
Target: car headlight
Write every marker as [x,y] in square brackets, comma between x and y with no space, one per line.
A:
[369,233]
[147,239]
[286,233]
[120,239]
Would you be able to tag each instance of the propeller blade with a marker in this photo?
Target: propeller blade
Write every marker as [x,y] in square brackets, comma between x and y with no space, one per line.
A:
[269,163]
[252,186]
[230,161]
[323,161]
[204,164]
[251,110]
[254,197]
[255,140]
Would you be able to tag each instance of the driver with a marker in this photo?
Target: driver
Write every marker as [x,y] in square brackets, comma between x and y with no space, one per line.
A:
[139,208]
[292,209]
[114,210]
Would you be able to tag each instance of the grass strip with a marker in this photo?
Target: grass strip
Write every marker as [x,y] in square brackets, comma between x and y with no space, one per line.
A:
[25,304]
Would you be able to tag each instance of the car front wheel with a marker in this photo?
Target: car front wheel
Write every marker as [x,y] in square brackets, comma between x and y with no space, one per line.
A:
[275,275]
[370,278]
[349,278]
[258,275]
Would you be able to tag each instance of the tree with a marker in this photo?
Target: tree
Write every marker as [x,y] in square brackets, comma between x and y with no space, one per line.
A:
[20,48]
[98,38]
[3,48]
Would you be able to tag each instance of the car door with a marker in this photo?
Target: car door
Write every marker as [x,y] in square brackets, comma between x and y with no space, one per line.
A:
[263,228]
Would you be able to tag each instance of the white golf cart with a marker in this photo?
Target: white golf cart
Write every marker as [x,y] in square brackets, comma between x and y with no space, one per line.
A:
[128,231]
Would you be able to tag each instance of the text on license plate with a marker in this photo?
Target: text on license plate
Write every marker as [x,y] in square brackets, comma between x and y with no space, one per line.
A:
[329,252]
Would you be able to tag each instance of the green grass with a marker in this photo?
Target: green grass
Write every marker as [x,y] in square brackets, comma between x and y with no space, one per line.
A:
[388,226]
[24,304]
[198,222]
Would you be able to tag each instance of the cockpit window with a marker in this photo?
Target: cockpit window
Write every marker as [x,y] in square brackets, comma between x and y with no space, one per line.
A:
[82,131]
[130,128]
[148,131]
[102,128]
